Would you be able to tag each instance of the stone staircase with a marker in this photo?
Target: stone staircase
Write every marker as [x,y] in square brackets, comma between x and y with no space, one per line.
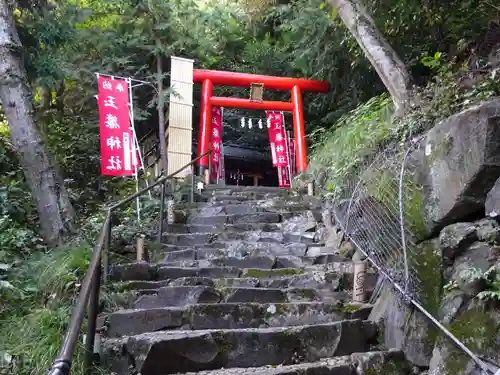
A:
[242,286]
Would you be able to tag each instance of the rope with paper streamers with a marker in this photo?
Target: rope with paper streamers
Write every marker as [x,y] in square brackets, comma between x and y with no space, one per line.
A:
[255,120]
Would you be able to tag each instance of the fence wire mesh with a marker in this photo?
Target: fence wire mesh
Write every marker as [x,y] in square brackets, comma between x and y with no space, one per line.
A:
[380,210]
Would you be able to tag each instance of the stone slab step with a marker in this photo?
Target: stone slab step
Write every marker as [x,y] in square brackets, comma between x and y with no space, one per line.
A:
[226,209]
[150,272]
[277,202]
[197,239]
[391,362]
[143,275]
[214,228]
[249,195]
[247,208]
[322,280]
[262,217]
[176,296]
[246,248]
[191,351]
[243,188]
[226,316]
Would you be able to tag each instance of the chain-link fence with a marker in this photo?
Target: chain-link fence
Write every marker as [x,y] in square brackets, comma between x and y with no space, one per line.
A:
[380,210]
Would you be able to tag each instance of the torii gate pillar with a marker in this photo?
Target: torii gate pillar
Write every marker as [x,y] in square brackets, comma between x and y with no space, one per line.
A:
[208,78]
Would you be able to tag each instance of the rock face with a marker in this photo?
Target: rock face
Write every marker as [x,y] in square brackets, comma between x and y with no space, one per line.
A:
[244,286]
[454,259]
[403,327]
[459,163]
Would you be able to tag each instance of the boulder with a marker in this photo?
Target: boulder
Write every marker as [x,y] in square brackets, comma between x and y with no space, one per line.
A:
[468,269]
[488,230]
[459,164]
[455,238]
[492,204]
[403,327]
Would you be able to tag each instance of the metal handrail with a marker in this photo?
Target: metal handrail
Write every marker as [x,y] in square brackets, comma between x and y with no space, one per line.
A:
[89,293]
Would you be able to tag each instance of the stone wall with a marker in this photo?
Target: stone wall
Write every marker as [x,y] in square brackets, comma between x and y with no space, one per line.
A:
[457,258]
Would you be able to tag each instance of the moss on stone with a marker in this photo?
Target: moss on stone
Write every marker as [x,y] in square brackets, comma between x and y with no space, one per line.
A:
[384,183]
[305,293]
[440,150]
[254,272]
[345,248]
[478,331]
[389,367]
[427,265]
[351,307]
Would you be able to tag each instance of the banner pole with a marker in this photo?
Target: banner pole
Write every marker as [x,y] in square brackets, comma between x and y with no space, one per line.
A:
[134,148]
[136,141]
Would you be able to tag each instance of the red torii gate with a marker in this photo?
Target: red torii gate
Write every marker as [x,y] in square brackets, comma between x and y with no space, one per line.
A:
[208,78]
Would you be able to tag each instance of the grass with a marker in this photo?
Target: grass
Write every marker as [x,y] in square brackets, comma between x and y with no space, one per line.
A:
[357,135]
[36,309]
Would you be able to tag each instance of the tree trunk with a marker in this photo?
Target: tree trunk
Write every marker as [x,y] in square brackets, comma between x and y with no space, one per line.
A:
[54,207]
[390,68]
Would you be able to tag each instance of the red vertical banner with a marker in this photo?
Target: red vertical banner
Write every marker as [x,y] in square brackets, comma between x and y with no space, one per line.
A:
[216,144]
[277,139]
[118,151]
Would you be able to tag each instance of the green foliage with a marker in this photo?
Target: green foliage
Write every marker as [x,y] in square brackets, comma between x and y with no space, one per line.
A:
[37,295]
[490,280]
[356,135]
[477,328]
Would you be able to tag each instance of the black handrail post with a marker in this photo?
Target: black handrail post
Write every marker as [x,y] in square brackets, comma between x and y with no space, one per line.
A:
[162,212]
[191,192]
[93,311]
[105,251]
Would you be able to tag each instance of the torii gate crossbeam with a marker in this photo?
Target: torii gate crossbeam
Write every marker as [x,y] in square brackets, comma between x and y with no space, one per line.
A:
[208,78]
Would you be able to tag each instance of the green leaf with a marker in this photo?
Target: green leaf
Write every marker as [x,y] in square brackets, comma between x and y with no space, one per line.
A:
[334,13]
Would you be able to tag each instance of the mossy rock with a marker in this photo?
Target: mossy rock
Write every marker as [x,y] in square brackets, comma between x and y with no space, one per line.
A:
[426,263]
[258,273]
[479,329]
[351,307]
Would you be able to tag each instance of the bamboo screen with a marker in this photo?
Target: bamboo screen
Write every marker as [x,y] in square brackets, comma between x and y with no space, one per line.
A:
[180,114]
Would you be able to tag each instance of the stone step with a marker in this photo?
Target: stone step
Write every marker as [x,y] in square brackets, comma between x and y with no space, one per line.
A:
[227,316]
[262,217]
[198,239]
[149,272]
[242,248]
[277,202]
[282,278]
[248,195]
[226,209]
[214,228]
[244,188]
[247,208]
[338,275]
[390,362]
[177,296]
[175,352]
